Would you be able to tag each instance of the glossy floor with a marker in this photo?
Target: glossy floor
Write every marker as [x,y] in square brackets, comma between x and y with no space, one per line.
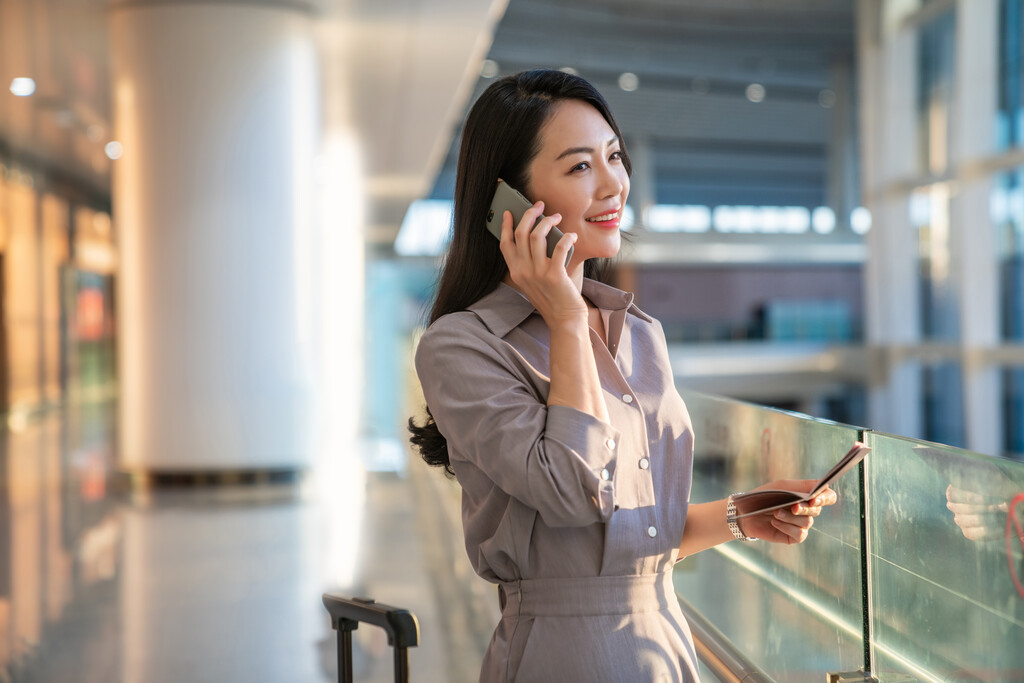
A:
[220,584]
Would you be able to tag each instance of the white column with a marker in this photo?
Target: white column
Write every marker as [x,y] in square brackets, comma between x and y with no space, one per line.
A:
[642,190]
[841,189]
[972,233]
[216,106]
[886,66]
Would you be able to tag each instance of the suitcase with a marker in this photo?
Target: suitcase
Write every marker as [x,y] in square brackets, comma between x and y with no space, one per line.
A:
[400,624]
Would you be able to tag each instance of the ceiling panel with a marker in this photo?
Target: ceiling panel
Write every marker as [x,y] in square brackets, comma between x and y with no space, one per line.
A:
[402,72]
[694,60]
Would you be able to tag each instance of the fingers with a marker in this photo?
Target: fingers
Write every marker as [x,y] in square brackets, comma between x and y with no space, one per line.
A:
[794,527]
[979,517]
[813,507]
[968,521]
[961,499]
[507,239]
[561,252]
[539,239]
[527,242]
[515,238]
[956,495]
[528,227]
[825,498]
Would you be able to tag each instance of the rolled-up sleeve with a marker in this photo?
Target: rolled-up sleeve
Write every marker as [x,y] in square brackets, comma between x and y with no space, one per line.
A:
[558,460]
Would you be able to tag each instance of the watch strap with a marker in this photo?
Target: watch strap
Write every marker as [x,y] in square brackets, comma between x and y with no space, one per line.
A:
[734,526]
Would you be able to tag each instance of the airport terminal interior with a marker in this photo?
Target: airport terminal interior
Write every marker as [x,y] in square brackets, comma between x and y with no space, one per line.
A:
[221,224]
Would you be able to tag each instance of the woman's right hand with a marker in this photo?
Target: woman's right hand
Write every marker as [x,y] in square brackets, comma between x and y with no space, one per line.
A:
[544,281]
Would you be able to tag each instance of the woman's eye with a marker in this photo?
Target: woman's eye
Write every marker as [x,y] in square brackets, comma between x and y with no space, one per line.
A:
[616,155]
[579,167]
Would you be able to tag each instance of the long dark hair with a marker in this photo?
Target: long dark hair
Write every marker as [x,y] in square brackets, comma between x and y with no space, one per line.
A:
[500,138]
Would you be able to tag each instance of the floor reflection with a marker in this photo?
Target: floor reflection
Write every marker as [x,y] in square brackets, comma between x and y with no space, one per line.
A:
[221,585]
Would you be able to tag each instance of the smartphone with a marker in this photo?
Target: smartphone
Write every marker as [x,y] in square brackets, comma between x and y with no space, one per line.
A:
[506,198]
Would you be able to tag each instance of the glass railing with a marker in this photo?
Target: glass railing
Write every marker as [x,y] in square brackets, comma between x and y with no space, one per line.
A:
[917,574]
[946,601]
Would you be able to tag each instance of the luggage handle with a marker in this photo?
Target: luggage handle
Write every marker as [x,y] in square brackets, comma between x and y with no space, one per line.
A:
[400,624]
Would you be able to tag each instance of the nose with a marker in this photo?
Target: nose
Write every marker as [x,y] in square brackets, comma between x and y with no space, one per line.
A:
[613,181]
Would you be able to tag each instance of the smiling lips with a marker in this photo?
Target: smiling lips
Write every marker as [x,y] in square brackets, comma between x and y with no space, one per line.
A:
[605,220]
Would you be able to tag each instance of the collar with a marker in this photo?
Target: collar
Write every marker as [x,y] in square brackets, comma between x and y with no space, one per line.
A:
[504,309]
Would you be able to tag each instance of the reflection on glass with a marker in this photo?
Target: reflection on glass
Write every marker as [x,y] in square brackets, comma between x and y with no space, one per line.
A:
[796,611]
[944,602]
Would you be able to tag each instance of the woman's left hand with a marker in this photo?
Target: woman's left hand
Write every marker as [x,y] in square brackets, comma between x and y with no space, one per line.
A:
[791,524]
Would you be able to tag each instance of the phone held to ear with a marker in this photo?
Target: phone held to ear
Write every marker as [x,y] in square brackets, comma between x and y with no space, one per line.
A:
[506,198]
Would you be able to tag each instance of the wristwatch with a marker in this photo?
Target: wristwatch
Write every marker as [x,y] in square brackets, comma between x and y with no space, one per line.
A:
[730,518]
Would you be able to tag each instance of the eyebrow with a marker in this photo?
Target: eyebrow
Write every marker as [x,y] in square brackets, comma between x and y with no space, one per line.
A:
[585,150]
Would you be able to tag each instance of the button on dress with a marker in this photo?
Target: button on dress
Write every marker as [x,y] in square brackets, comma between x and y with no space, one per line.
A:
[556,510]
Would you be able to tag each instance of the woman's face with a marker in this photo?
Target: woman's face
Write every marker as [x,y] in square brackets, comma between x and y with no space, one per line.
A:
[579,174]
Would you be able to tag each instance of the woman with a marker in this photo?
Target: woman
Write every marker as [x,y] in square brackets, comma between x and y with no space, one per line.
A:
[551,399]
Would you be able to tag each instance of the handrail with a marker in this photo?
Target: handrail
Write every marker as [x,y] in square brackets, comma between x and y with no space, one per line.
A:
[717,652]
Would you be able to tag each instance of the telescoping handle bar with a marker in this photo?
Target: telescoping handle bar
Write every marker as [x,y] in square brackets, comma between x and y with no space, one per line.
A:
[400,624]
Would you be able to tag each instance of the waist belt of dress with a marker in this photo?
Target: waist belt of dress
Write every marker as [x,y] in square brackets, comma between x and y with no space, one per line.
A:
[588,596]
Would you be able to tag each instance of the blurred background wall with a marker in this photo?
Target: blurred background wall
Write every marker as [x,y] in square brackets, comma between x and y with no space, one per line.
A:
[830,172]
[220,223]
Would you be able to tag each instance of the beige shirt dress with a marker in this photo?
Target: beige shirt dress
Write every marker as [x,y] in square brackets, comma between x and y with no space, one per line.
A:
[579,522]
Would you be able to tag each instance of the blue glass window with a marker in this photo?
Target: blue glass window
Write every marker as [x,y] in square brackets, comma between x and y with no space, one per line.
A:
[1007,208]
[936,53]
[1007,213]
[1010,124]
[942,392]
[938,304]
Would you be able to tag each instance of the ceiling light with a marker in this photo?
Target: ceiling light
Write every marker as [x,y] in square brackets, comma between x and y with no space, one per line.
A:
[823,220]
[629,82]
[677,218]
[114,150]
[23,87]
[755,92]
[827,98]
[569,70]
[797,219]
[860,220]
[489,69]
